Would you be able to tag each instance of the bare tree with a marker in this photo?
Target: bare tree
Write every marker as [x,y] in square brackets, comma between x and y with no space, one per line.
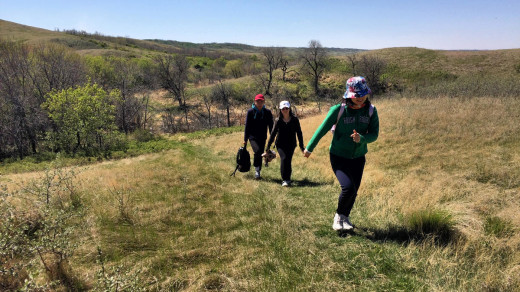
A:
[314,62]
[127,78]
[353,63]
[372,67]
[56,68]
[222,94]
[173,75]
[273,58]
[23,114]
[207,105]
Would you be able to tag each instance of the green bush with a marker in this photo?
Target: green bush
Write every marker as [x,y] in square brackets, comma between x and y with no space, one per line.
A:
[141,135]
[84,117]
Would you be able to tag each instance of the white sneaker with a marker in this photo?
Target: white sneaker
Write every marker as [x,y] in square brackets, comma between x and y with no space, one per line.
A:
[285,183]
[337,224]
[346,223]
[257,174]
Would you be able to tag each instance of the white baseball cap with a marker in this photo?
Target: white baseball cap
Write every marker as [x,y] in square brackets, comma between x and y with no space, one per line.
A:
[285,103]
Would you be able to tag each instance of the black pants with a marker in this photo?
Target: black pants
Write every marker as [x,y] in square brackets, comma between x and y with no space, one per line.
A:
[349,173]
[286,155]
[258,149]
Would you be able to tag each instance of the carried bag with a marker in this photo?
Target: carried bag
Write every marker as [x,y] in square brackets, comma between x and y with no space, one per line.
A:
[243,161]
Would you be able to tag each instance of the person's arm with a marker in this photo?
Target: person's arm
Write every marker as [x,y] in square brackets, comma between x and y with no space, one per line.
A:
[324,128]
[247,128]
[299,134]
[270,122]
[273,136]
[373,129]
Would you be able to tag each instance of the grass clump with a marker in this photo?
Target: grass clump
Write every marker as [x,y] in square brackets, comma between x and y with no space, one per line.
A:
[498,227]
[437,224]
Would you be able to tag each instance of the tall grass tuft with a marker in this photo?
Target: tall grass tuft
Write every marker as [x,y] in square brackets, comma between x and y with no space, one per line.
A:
[498,227]
[436,224]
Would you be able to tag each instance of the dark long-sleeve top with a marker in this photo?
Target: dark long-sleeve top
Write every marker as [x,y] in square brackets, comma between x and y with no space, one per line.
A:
[286,134]
[257,124]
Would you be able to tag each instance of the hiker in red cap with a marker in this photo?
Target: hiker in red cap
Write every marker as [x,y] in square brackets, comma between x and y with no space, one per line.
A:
[258,120]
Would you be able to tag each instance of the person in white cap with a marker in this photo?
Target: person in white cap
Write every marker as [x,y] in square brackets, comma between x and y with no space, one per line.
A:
[286,130]
[354,123]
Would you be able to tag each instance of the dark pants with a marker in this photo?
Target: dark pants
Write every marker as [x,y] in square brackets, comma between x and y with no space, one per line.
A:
[349,173]
[286,162]
[258,149]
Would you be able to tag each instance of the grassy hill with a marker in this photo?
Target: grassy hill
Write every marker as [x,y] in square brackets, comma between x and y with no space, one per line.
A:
[437,210]
[97,44]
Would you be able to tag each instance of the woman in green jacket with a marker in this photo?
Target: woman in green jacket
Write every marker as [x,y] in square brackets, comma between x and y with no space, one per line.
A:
[354,124]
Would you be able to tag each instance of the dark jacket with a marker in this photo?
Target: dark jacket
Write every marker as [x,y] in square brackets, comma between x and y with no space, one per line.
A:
[257,124]
[286,133]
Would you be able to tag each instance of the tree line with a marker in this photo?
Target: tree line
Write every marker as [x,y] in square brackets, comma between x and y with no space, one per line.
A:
[54,100]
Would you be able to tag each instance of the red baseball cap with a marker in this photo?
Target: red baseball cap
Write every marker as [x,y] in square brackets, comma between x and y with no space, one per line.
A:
[259,97]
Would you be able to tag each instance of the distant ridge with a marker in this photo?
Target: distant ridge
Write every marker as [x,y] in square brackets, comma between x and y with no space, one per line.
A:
[90,42]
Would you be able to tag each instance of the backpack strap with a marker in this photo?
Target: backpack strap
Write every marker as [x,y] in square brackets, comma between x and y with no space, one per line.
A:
[233,174]
[341,110]
[236,168]
[371,110]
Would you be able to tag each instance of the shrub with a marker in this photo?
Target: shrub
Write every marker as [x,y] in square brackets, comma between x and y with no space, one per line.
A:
[84,117]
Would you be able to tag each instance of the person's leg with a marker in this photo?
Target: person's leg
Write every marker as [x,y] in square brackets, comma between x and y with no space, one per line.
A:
[349,173]
[356,173]
[286,163]
[258,150]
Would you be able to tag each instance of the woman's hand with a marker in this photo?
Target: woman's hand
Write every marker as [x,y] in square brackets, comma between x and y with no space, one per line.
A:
[306,153]
[355,136]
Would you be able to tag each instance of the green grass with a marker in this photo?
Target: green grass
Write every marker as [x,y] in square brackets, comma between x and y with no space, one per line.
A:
[426,221]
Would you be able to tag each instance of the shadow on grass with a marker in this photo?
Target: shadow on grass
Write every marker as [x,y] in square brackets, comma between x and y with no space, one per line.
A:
[403,235]
[295,183]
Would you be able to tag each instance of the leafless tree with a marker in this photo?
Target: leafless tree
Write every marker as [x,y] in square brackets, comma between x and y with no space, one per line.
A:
[206,98]
[56,68]
[273,58]
[353,63]
[23,114]
[222,94]
[314,62]
[173,75]
[372,67]
[128,79]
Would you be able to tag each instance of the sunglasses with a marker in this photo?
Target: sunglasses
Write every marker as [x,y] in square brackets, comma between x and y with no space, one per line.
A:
[285,108]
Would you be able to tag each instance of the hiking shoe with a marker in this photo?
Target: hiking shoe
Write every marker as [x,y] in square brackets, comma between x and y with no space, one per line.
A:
[285,183]
[346,223]
[337,224]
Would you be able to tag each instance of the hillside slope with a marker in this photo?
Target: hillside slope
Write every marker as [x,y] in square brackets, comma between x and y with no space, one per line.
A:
[178,221]
[97,44]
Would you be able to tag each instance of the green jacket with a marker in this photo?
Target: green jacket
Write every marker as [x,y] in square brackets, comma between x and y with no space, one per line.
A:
[342,144]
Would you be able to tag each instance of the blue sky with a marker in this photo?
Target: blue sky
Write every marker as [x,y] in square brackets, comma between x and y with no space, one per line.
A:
[434,24]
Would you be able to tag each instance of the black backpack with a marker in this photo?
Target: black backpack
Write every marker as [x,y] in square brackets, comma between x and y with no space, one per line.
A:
[243,161]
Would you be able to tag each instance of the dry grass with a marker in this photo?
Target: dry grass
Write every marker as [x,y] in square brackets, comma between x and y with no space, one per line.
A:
[178,216]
